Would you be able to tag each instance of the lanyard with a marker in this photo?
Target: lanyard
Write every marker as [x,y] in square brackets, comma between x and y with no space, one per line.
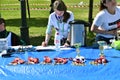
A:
[60,21]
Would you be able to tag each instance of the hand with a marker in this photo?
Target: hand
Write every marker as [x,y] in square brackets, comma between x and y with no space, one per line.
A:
[44,44]
[67,44]
[112,32]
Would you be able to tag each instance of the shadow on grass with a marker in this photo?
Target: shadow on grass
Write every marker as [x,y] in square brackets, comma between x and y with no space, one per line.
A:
[36,22]
[37,40]
[32,22]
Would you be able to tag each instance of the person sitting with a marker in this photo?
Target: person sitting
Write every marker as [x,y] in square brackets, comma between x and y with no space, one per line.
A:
[12,38]
[59,20]
[107,21]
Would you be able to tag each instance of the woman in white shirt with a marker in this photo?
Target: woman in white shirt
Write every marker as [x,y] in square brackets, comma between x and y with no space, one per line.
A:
[59,20]
[107,21]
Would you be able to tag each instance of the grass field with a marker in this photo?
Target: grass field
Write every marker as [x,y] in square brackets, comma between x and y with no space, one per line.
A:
[39,12]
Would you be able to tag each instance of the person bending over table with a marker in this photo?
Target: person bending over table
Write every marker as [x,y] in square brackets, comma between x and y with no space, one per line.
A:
[107,21]
[12,38]
[59,20]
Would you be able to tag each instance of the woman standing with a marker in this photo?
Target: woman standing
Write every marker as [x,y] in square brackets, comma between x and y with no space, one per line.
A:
[59,20]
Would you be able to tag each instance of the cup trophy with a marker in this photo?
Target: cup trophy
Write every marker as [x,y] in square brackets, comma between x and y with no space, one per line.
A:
[101,59]
[78,60]
[77,46]
[101,47]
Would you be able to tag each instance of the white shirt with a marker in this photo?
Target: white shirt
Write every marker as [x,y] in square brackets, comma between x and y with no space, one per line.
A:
[9,39]
[107,21]
[63,27]
[5,42]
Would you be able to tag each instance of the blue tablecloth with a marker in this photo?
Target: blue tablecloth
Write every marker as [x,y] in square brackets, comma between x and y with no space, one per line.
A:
[110,71]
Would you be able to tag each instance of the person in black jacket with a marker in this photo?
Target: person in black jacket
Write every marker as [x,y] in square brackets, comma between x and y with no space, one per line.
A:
[12,38]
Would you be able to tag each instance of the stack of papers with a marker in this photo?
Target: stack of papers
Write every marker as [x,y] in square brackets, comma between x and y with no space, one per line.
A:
[51,48]
[17,47]
[48,48]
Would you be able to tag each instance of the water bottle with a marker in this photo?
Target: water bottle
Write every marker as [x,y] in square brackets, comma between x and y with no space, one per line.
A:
[57,41]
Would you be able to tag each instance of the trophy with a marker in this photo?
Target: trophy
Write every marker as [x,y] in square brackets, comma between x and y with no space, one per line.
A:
[78,60]
[77,46]
[101,59]
[101,46]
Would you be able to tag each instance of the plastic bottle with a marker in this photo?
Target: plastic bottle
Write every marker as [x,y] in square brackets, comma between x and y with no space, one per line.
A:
[57,41]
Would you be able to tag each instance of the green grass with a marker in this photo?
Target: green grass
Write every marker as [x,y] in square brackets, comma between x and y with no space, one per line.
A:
[38,18]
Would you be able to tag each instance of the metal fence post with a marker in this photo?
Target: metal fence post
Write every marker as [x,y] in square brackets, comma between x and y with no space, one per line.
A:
[24,28]
[90,12]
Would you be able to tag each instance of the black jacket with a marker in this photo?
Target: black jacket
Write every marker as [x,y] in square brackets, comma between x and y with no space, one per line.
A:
[15,39]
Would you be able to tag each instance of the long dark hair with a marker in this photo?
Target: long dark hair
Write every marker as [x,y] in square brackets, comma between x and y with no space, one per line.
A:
[60,5]
[2,20]
[102,6]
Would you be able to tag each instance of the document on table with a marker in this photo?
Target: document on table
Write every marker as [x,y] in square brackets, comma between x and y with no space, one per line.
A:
[51,48]
[20,46]
[48,48]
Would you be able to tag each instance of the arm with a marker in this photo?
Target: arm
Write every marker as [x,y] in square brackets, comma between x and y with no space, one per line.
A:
[48,35]
[47,38]
[67,43]
[45,43]
[68,38]
[95,29]
[70,19]
[48,31]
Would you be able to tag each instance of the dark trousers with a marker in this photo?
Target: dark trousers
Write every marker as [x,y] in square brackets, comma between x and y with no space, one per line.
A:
[101,38]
